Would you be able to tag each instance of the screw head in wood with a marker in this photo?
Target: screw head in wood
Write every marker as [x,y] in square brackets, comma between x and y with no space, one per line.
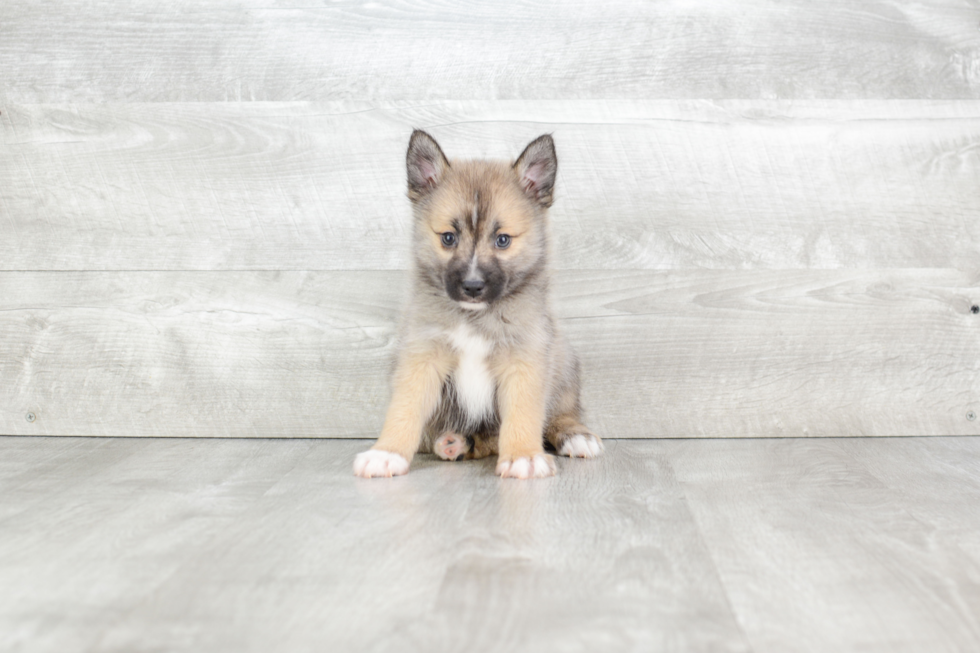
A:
[970,415]
[31,417]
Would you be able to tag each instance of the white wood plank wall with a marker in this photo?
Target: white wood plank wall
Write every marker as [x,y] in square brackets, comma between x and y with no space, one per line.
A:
[768,215]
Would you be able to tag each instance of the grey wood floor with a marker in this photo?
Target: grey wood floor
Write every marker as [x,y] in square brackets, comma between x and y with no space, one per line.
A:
[144,544]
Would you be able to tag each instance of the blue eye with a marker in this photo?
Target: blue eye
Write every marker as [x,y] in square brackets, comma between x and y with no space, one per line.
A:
[449,239]
[503,241]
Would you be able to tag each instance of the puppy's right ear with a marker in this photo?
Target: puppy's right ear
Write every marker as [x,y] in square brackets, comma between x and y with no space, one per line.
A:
[426,165]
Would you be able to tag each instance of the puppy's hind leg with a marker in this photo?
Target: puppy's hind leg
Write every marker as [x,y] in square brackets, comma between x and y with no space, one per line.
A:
[453,446]
[566,433]
[483,445]
[571,438]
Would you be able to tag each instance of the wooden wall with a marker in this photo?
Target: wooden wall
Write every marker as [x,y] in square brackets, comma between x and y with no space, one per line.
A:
[767,224]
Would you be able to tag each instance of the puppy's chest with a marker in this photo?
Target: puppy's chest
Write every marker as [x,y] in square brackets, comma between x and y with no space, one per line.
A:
[474,384]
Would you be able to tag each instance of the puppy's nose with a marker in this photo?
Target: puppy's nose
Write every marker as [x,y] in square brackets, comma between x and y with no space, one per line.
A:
[473,287]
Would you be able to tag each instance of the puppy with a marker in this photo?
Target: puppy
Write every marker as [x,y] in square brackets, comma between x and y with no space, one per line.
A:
[481,366]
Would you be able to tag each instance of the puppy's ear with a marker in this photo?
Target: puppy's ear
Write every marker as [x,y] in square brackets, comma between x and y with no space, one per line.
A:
[536,167]
[426,165]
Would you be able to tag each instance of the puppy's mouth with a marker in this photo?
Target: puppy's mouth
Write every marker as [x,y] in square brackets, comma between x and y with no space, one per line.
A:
[472,304]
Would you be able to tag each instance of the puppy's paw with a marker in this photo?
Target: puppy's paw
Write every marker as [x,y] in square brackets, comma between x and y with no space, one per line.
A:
[375,462]
[451,446]
[538,466]
[582,446]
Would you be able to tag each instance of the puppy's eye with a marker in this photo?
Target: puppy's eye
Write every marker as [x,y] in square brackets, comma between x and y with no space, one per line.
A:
[449,239]
[503,241]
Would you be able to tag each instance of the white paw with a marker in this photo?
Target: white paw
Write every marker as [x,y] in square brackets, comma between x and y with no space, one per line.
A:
[539,466]
[375,462]
[450,446]
[582,446]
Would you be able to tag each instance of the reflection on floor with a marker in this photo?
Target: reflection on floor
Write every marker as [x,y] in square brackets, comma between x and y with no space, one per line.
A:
[688,545]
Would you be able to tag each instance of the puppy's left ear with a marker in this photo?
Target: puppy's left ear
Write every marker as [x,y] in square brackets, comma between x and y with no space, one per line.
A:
[536,168]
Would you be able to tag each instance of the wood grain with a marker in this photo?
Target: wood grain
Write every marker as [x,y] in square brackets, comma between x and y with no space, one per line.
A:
[799,528]
[280,50]
[855,544]
[118,519]
[765,224]
[642,185]
[273,545]
[665,354]
[194,353]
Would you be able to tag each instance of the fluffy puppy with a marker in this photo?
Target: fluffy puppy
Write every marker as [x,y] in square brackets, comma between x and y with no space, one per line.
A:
[481,367]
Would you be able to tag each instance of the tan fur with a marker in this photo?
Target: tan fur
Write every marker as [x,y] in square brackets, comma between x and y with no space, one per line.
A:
[417,385]
[534,375]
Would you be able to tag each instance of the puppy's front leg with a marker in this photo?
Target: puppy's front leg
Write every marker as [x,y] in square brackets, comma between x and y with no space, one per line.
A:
[521,396]
[417,389]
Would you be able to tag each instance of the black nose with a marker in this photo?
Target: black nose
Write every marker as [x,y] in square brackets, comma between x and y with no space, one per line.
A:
[473,287]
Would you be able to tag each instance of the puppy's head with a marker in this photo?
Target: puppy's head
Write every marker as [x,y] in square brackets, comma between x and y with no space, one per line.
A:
[480,225]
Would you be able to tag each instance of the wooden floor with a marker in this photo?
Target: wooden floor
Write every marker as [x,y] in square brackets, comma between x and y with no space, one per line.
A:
[143,544]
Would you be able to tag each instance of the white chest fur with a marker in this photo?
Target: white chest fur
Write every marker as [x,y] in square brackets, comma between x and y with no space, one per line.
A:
[474,384]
